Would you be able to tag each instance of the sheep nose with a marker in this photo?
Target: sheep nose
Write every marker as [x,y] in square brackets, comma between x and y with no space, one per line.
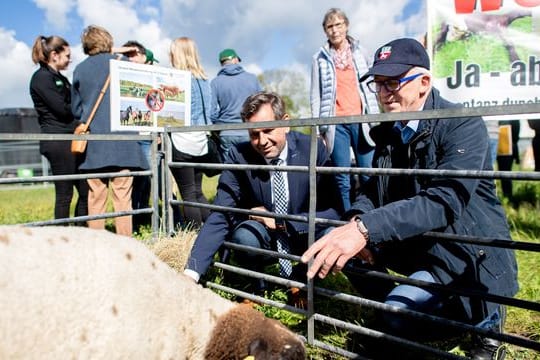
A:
[294,351]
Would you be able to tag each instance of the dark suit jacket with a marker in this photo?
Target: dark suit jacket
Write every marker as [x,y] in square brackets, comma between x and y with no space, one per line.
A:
[246,189]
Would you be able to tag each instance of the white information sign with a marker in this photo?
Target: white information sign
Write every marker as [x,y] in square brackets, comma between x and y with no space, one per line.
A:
[148,97]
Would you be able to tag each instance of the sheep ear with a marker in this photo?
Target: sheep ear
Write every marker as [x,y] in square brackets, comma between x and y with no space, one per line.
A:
[257,348]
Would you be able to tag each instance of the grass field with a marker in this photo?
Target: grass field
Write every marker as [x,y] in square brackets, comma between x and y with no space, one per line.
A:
[19,204]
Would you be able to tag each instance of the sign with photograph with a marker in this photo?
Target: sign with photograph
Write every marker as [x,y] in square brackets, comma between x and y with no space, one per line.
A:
[485,53]
[148,97]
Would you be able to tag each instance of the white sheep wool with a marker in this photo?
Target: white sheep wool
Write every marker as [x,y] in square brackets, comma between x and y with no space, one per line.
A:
[77,293]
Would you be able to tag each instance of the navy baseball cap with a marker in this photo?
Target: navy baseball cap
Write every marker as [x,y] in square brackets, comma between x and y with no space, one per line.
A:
[398,57]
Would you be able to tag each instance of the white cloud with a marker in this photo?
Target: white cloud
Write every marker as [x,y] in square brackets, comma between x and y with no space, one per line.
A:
[15,56]
[56,11]
[124,24]
[248,26]
[267,35]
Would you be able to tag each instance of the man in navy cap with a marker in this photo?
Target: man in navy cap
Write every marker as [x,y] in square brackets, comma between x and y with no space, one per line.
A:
[389,219]
[230,89]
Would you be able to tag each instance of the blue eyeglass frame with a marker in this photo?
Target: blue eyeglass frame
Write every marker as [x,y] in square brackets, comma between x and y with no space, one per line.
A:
[380,84]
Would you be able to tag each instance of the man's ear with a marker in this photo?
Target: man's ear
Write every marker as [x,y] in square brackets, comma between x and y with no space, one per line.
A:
[286,117]
[425,83]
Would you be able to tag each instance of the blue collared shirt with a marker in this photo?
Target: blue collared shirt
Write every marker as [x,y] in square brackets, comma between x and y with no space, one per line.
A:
[407,131]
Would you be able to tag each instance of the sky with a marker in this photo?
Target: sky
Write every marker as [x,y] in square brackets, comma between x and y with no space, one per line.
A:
[278,34]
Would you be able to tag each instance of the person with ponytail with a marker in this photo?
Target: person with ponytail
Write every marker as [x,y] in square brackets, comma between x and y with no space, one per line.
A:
[51,94]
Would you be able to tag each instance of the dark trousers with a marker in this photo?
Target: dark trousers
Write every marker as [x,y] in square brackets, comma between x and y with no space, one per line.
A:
[255,234]
[140,199]
[504,163]
[63,162]
[536,150]
[189,181]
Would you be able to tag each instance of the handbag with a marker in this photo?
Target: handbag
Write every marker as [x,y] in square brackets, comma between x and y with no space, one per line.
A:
[213,156]
[79,146]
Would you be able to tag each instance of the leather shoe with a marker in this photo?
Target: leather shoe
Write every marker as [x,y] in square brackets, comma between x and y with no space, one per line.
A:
[488,349]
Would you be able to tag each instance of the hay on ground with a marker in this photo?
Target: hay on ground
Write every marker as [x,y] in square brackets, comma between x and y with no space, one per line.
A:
[175,251]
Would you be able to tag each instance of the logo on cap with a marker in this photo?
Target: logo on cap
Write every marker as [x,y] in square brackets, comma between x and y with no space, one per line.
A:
[386,51]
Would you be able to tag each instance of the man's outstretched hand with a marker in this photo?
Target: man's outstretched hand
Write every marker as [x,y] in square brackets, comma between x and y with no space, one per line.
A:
[333,250]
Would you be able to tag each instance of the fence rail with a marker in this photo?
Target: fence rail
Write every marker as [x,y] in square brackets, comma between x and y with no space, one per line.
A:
[166,224]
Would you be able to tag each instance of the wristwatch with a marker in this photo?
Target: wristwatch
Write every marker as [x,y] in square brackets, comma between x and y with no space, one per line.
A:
[362,228]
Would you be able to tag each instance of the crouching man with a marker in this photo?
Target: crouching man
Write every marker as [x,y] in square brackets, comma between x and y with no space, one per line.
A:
[278,191]
[389,217]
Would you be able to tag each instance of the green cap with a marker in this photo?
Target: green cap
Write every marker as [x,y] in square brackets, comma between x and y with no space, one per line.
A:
[228,54]
[150,57]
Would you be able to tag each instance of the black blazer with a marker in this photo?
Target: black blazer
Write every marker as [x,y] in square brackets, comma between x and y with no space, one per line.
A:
[246,189]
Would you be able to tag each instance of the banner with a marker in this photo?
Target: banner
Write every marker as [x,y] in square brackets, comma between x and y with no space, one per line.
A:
[148,97]
[485,52]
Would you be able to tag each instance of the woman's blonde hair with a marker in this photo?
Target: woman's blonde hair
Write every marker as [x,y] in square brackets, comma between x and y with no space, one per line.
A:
[184,56]
[96,40]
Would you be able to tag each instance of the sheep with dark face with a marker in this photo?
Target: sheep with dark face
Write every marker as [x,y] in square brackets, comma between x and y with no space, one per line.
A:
[76,293]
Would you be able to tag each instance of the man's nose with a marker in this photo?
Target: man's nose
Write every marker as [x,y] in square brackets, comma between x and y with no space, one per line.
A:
[263,139]
[384,91]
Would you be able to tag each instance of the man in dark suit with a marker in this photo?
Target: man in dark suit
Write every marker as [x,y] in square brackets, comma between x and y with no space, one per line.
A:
[256,190]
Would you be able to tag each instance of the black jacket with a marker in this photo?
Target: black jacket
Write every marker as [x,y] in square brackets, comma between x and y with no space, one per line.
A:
[398,209]
[51,94]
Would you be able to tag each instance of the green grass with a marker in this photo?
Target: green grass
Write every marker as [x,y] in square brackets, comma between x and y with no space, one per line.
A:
[19,204]
[22,204]
[473,50]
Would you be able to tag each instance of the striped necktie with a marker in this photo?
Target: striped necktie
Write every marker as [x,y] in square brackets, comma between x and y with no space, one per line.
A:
[280,207]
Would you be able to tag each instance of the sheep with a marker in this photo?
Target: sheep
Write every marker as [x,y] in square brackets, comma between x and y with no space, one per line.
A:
[77,293]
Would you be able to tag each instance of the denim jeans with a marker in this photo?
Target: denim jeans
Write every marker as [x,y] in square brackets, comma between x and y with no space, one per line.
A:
[412,298]
[347,136]
[493,144]
[228,141]
[415,298]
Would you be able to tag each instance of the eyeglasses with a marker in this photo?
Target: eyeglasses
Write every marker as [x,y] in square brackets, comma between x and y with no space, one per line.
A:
[390,84]
[338,25]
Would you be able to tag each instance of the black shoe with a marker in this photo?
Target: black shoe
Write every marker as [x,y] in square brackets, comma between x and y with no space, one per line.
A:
[260,287]
[488,349]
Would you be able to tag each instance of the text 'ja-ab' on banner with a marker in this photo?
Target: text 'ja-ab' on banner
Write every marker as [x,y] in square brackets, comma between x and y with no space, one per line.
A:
[485,52]
[147,98]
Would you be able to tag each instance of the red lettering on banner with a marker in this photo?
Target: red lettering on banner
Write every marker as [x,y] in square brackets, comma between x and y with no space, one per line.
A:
[528,3]
[468,6]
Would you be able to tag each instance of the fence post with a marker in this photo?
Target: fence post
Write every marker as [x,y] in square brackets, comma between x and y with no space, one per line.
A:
[154,188]
[311,227]
[167,208]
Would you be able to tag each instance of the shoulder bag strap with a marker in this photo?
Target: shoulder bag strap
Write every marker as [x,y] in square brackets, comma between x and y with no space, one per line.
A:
[98,101]
[202,101]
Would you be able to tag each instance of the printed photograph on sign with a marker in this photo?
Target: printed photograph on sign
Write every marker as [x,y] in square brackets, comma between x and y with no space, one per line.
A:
[505,34]
[148,97]
[485,53]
